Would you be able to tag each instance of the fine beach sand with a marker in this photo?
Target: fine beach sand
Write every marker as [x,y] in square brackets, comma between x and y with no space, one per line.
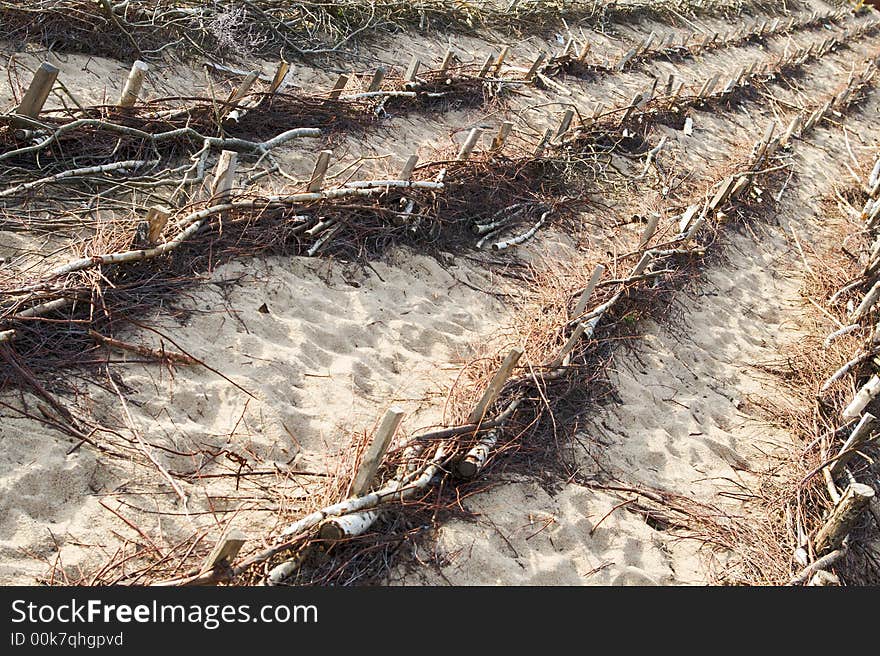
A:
[303,355]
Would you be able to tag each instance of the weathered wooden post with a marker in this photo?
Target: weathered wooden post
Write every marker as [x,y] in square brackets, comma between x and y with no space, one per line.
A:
[41,85]
[366,472]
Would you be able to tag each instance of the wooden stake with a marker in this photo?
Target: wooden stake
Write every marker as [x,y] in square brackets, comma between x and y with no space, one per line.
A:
[447,60]
[225,551]
[376,82]
[500,61]
[625,58]
[591,285]
[484,71]
[132,90]
[224,174]
[321,165]
[35,97]
[565,123]
[503,132]
[469,143]
[861,433]
[548,135]
[722,194]
[650,229]
[157,219]
[536,66]
[336,91]
[409,167]
[495,385]
[412,70]
[843,518]
[280,74]
[366,472]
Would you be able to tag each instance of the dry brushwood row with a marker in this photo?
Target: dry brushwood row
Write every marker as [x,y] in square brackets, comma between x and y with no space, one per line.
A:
[572,60]
[112,142]
[439,201]
[270,27]
[134,141]
[856,426]
[443,458]
[64,320]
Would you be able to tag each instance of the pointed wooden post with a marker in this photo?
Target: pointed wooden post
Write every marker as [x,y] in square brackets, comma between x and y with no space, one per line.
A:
[224,174]
[447,60]
[376,80]
[861,433]
[336,91]
[536,66]
[412,70]
[366,472]
[321,165]
[41,85]
[280,74]
[565,123]
[132,90]
[588,291]
[225,551]
[157,219]
[484,71]
[409,167]
[503,132]
[500,61]
[495,385]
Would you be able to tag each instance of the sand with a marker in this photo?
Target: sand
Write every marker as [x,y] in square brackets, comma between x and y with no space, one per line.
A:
[304,354]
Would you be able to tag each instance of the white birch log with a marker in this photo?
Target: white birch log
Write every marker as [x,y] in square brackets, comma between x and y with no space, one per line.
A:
[348,526]
[78,173]
[469,143]
[862,398]
[843,518]
[131,93]
[396,490]
[524,237]
[475,459]
[38,92]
